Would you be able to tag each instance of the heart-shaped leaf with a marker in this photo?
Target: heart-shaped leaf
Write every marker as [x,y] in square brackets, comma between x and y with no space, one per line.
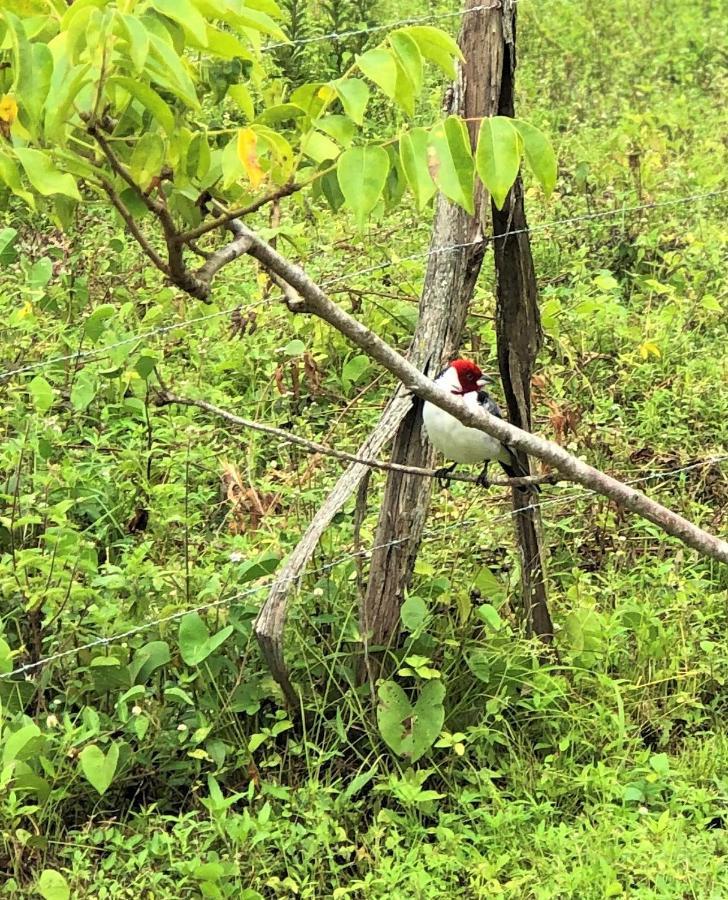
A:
[98,767]
[410,731]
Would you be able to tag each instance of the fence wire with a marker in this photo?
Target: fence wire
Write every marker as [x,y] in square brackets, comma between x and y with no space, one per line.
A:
[387,26]
[429,534]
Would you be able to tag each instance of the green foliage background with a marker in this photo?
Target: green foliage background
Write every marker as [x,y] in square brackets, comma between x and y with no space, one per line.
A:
[604,777]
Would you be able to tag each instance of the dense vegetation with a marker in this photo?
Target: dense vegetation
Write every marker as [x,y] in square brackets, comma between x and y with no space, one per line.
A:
[164,762]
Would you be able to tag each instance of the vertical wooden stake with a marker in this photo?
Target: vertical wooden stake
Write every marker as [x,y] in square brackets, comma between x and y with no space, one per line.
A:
[519,338]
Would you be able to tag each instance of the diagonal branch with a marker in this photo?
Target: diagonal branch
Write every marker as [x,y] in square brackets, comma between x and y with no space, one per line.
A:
[569,466]
[134,229]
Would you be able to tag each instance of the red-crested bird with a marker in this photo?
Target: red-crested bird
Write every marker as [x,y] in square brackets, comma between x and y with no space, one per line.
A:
[458,442]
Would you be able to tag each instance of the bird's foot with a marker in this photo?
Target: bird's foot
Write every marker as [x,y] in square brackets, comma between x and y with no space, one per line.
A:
[483,480]
[441,475]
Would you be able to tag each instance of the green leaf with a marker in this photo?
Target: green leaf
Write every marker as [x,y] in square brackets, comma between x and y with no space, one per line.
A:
[410,731]
[95,325]
[167,69]
[354,369]
[185,14]
[294,348]
[60,102]
[8,239]
[195,642]
[498,156]
[413,153]
[137,37]
[147,158]
[414,613]
[251,569]
[585,628]
[226,45]
[392,710]
[451,162]
[84,390]
[362,173]
[436,46]
[53,886]
[44,176]
[21,744]
[10,175]
[540,155]
[409,57]
[99,768]
[340,128]
[240,95]
[33,96]
[489,614]
[380,66]
[318,147]
[354,96]
[42,393]
[148,659]
[149,99]
[429,716]
[193,639]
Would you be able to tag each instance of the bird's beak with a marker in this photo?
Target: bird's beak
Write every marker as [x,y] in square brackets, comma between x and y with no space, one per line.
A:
[483,381]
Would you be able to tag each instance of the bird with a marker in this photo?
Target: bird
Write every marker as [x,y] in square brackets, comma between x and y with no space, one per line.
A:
[460,443]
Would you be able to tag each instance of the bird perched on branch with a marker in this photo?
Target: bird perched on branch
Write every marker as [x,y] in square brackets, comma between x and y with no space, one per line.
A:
[460,443]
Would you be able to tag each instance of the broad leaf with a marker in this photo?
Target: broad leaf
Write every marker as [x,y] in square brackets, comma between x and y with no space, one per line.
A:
[84,389]
[53,886]
[539,153]
[410,731]
[42,393]
[44,176]
[149,99]
[137,37]
[413,153]
[380,66]
[436,46]
[98,767]
[8,239]
[247,146]
[409,57]
[195,642]
[498,156]
[241,95]
[451,162]
[10,175]
[60,101]
[362,173]
[184,13]
[354,96]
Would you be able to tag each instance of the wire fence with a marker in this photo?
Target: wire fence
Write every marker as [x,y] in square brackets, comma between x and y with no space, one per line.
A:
[569,222]
[387,26]
[428,534]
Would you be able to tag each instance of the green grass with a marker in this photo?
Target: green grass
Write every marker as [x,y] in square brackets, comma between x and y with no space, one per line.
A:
[603,776]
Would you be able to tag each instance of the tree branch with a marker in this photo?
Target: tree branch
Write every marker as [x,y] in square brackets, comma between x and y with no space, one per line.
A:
[568,466]
[226,216]
[166,397]
[134,229]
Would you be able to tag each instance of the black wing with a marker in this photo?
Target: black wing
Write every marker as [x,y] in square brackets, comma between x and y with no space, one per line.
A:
[489,404]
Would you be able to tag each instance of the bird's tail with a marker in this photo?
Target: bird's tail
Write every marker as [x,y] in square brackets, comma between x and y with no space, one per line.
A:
[514,469]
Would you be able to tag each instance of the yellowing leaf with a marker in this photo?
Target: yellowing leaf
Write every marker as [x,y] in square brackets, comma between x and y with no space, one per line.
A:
[248,155]
[8,109]
[648,348]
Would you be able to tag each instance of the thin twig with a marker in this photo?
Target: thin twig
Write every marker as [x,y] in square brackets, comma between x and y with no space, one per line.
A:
[166,397]
[239,213]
